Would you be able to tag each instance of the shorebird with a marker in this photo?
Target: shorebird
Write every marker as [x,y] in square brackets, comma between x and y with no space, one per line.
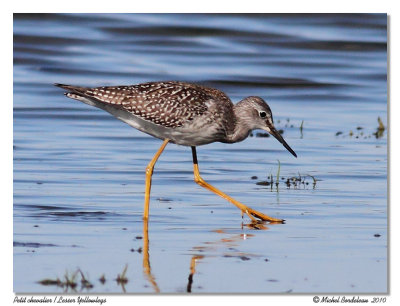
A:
[185,114]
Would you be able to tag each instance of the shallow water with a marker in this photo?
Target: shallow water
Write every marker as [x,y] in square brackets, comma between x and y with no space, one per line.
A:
[79,172]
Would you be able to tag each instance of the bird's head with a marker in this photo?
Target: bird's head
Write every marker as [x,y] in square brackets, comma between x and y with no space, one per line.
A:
[258,115]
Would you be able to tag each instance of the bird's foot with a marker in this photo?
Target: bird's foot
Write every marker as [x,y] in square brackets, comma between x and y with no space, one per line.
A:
[253,214]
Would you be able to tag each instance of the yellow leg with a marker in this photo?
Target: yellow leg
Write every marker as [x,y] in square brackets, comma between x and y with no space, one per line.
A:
[245,209]
[149,173]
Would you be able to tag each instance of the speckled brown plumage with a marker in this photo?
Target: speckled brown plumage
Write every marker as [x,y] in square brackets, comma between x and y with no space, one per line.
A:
[184,113]
[170,104]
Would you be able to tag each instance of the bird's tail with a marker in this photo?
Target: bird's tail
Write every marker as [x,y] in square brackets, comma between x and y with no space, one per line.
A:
[70,88]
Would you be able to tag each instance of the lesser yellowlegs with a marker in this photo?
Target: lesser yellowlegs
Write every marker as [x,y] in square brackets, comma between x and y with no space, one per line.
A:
[185,114]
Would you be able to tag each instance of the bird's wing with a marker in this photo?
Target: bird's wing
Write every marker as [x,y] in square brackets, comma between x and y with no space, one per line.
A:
[169,104]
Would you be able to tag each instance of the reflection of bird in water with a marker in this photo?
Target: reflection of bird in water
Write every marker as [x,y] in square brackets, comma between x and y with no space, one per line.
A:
[192,271]
[229,242]
[208,246]
[146,257]
[185,114]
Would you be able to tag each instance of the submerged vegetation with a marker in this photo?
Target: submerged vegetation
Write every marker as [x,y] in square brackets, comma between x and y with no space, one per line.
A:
[71,283]
[360,132]
[122,279]
[295,182]
[380,129]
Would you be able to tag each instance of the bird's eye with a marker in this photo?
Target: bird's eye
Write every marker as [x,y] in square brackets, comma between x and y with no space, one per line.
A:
[263,114]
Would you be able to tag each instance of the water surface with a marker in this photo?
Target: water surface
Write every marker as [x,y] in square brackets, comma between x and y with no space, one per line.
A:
[79,172]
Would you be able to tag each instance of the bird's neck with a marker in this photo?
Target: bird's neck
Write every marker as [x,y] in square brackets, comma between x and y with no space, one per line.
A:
[240,129]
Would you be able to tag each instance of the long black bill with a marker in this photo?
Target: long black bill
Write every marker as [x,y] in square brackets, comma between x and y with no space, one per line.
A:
[278,136]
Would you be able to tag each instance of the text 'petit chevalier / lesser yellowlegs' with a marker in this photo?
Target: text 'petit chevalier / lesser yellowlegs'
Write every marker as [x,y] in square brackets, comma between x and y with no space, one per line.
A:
[185,114]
